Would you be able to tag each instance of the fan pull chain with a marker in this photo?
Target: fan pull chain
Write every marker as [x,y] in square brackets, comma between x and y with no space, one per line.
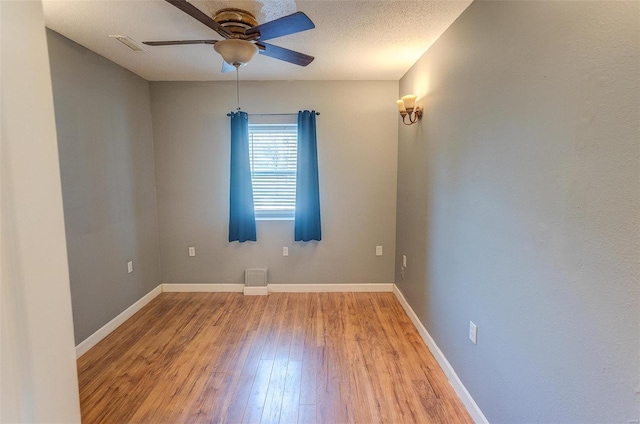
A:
[237,89]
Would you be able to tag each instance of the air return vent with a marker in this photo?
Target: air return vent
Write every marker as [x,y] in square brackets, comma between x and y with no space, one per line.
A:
[255,277]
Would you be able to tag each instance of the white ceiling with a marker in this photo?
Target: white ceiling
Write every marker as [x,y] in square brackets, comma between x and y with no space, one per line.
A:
[353,40]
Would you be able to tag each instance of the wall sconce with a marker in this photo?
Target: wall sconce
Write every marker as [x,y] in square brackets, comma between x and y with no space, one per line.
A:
[408,107]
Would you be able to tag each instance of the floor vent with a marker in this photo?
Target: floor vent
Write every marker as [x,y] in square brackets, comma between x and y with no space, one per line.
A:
[255,277]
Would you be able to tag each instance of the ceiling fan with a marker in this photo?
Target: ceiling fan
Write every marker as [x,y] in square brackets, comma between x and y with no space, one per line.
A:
[243,37]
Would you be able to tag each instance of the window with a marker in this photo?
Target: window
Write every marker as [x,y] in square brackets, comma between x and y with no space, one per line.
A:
[273,154]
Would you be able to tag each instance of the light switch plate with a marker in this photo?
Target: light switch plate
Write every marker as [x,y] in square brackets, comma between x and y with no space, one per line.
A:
[473,332]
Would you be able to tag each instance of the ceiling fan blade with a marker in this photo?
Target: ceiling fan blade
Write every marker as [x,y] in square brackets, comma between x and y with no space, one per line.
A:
[227,68]
[287,55]
[286,25]
[196,13]
[178,42]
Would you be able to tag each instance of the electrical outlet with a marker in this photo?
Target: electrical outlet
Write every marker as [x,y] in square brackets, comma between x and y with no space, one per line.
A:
[378,250]
[130,267]
[404,261]
[285,251]
[192,251]
[473,332]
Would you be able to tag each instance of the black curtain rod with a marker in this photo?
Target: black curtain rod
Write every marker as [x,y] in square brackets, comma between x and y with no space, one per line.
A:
[277,114]
[271,114]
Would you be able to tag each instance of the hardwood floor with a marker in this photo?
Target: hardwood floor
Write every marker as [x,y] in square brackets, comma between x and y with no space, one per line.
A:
[282,358]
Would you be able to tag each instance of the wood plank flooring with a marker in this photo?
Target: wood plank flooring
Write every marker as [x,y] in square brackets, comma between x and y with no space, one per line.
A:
[282,358]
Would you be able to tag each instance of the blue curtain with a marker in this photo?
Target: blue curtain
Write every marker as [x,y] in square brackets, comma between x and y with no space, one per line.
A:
[307,218]
[242,220]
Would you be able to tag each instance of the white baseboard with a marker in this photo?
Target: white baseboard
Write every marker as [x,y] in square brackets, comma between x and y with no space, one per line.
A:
[106,329]
[279,288]
[256,291]
[454,380]
[335,288]
[202,288]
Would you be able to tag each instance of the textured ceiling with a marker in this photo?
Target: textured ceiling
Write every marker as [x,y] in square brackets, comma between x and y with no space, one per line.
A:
[353,40]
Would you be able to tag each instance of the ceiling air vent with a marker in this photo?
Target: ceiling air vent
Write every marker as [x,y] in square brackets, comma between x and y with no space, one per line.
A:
[129,42]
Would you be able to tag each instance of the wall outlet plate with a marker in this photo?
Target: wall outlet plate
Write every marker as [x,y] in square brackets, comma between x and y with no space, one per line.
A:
[130,267]
[404,261]
[378,250]
[192,251]
[285,251]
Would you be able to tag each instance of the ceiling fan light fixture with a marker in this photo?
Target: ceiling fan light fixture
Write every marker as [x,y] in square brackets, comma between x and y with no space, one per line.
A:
[236,52]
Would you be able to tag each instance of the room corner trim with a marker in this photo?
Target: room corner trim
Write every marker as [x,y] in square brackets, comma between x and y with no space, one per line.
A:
[108,328]
[454,380]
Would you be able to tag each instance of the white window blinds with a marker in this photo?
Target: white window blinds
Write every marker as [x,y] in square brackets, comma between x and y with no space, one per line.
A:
[273,153]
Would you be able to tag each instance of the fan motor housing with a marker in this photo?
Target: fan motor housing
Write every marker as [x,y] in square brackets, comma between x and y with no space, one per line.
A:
[236,21]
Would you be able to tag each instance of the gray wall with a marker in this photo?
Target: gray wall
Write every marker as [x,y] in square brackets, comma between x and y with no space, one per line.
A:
[518,207]
[103,120]
[357,149]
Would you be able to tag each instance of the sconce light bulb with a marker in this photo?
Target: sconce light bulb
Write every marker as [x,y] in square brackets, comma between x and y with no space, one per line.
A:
[409,101]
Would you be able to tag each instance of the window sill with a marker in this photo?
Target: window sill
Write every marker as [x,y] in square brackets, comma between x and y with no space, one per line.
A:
[272,218]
